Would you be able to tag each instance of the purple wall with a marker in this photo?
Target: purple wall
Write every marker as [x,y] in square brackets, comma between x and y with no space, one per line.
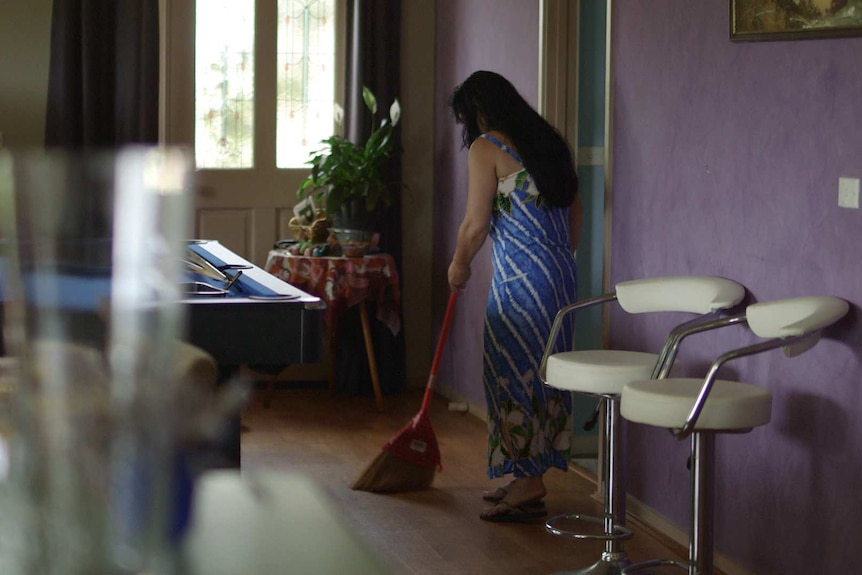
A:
[726,161]
[497,35]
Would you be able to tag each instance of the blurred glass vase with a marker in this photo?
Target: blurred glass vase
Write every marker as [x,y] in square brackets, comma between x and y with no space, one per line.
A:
[91,269]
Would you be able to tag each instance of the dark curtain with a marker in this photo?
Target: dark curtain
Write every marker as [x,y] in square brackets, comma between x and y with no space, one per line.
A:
[103,88]
[373,60]
[103,92]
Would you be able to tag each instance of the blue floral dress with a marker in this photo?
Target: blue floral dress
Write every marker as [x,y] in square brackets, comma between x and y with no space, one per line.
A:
[535,275]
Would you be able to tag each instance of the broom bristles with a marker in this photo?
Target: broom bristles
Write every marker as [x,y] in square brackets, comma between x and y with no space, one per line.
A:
[391,474]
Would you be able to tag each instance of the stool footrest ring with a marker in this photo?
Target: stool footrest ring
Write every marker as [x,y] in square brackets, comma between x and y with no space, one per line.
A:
[635,567]
[619,532]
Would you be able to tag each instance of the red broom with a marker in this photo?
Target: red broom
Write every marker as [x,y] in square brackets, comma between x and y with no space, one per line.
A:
[409,460]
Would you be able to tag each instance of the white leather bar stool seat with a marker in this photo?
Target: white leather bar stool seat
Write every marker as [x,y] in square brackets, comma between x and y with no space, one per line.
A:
[732,405]
[604,373]
[598,371]
[701,408]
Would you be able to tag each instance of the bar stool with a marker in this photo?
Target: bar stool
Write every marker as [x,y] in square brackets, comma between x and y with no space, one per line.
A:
[603,373]
[703,408]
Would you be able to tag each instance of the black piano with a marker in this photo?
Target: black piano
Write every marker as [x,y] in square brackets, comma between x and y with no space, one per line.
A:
[241,314]
[236,311]
[248,316]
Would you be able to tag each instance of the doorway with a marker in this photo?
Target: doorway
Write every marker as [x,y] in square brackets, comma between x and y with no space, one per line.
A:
[572,64]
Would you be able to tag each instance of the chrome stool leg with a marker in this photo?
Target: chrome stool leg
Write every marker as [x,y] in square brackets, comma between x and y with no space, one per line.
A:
[613,558]
[702,493]
[700,550]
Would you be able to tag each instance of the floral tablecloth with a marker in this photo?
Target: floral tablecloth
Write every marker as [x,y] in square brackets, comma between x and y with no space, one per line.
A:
[343,282]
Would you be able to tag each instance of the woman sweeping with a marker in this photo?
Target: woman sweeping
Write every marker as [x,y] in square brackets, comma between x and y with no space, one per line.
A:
[523,192]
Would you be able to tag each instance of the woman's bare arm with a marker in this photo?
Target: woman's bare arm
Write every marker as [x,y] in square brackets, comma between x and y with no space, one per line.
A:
[481,189]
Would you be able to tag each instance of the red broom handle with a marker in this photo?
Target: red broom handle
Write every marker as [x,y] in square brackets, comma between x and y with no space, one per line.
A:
[438,353]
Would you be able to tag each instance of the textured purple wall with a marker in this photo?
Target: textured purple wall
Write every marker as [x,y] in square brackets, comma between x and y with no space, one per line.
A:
[497,35]
[726,161]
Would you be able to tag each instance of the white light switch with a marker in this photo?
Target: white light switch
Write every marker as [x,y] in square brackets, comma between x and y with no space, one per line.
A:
[848,192]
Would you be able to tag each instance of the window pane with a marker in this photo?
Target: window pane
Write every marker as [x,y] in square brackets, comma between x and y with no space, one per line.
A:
[224,83]
[306,78]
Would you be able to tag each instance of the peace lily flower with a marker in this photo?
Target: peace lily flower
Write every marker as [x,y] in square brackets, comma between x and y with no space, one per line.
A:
[395,112]
[343,171]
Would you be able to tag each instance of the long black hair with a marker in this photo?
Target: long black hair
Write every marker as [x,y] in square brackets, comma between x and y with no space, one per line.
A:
[544,151]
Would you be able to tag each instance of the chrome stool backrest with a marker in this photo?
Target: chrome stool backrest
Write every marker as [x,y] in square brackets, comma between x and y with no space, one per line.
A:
[704,296]
[793,325]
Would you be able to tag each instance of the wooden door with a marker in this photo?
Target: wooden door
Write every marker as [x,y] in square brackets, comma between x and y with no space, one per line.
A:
[246,209]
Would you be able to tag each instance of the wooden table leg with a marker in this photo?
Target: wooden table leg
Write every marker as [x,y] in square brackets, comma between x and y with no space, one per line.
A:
[369,349]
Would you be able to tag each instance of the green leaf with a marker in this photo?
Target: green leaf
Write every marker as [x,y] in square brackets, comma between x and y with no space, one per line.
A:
[341,170]
[370,99]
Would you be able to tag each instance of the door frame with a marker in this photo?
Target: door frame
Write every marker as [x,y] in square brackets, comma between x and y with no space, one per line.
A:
[558,66]
[558,84]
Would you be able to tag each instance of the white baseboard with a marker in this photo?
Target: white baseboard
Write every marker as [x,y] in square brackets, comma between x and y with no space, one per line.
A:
[479,411]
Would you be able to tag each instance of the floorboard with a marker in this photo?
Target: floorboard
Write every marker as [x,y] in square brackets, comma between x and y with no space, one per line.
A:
[333,438]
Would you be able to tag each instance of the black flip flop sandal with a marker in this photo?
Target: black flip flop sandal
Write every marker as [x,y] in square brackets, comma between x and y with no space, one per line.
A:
[525,513]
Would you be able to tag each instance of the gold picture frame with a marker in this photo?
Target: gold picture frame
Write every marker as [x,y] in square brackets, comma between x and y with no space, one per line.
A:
[752,20]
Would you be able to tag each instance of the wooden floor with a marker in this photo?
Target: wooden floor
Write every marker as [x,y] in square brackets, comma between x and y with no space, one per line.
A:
[333,438]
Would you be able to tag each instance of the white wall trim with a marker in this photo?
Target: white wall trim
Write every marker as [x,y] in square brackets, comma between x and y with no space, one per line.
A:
[557,64]
[608,163]
[475,409]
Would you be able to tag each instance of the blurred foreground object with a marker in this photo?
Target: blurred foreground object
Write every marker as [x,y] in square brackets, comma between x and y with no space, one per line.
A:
[103,405]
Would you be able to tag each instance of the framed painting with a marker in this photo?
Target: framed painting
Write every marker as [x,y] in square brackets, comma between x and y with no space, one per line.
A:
[794,19]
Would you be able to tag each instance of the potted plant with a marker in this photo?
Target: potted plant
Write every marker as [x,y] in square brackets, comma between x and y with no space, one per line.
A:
[346,179]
